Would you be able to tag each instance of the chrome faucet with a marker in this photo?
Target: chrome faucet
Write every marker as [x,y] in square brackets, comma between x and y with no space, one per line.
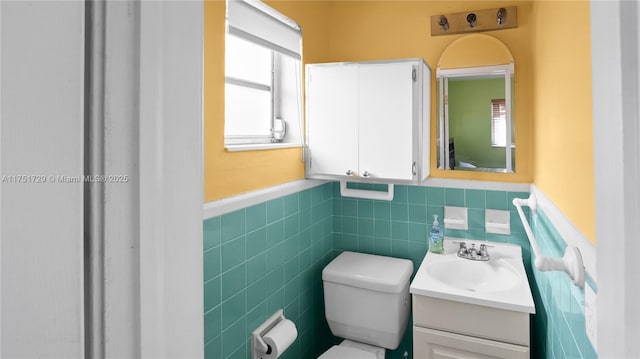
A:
[472,253]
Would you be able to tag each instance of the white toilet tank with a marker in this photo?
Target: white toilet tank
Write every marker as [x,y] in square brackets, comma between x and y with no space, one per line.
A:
[366,298]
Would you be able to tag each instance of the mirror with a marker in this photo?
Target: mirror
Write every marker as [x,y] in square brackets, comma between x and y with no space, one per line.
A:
[474,89]
[475,119]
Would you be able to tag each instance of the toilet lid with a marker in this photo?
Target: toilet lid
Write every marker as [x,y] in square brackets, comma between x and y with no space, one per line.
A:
[343,352]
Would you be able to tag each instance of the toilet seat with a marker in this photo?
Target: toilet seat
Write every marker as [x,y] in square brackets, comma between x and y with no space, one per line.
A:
[342,352]
[353,350]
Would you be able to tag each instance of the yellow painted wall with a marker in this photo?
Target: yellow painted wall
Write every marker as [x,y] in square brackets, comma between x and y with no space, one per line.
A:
[562,109]
[551,51]
[352,31]
[374,30]
[231,173]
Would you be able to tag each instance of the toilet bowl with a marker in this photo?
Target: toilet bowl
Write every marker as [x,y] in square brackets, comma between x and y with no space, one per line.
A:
[367,303]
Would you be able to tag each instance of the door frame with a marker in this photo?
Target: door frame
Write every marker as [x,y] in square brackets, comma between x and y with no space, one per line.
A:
[616,135]
[152,283]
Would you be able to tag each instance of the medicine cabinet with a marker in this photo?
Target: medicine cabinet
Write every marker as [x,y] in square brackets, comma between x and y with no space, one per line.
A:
[475,112]
[475,122]
[368,121]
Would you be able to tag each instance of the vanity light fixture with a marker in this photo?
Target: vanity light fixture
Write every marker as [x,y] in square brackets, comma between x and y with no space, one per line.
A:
[501,16]
[474,21]
[443,23]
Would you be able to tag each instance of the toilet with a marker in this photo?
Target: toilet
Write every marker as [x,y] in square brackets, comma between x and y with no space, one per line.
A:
[367,303]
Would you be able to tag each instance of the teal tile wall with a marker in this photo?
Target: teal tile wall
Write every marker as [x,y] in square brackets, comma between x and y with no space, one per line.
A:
[558,326]
[263,258]
[271,255]
[399,228]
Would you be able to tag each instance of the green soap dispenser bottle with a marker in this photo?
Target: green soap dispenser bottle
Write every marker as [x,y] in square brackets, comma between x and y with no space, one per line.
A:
[436,239]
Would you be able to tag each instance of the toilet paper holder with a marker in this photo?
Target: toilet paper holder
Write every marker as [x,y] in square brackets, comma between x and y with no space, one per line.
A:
[258,345]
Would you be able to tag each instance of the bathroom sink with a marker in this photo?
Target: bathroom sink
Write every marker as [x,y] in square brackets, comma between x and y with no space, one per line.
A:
[474,276]
[501,282]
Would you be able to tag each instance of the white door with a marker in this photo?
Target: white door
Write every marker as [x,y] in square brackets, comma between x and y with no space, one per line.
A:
[41,193]
[386,120]
[435,344]
[149,299]
[332,117]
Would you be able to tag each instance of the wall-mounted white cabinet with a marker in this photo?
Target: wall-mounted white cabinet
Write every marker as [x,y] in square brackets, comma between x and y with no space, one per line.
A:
[368,121]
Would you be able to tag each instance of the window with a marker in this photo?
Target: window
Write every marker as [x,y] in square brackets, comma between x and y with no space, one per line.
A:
[498,123]
[248,92]
[263,74]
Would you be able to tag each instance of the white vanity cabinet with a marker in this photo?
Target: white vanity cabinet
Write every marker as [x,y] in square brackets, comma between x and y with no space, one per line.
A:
[368,120]
[449,329]
[468,309]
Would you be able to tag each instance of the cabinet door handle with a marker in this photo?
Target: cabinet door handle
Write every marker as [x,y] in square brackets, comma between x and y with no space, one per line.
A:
[413,168]
[366,174]
[349,173]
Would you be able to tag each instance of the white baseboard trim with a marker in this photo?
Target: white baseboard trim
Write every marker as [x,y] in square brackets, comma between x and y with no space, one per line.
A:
[230,204]
[570,234]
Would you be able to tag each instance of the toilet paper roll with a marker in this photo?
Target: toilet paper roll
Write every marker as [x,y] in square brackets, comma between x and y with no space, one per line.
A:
[279,338]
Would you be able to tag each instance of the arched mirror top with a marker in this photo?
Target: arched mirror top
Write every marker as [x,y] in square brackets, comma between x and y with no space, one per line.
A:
[474,51]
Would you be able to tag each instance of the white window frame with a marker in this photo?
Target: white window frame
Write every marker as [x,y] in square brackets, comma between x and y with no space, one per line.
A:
[254,21]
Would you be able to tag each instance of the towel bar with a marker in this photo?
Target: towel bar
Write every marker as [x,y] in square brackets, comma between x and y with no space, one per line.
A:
[571,263]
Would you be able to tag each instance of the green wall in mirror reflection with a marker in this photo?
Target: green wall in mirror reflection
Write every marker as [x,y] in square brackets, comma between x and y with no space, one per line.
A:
[470,121]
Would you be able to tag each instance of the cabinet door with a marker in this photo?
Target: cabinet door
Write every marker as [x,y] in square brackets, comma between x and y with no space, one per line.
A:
[386,120]
[332,115]
[434,344]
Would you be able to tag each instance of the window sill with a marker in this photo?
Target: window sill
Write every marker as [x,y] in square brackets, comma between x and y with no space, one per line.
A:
[260,146]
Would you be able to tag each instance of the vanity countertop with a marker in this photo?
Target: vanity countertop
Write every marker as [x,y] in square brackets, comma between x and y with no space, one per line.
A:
[501,282]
